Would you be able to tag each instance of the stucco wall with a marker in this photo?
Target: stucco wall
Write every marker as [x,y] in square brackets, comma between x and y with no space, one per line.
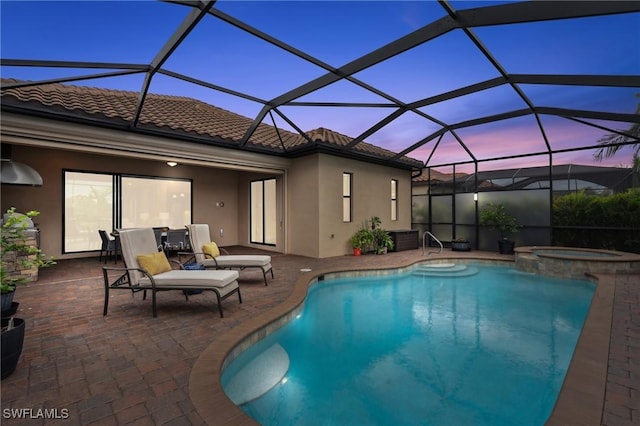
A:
[311,191]
[303,206]
[316,228]
[371,196]
[209,185]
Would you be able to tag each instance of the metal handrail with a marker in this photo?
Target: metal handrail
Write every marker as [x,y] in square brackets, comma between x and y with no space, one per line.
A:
[424,242]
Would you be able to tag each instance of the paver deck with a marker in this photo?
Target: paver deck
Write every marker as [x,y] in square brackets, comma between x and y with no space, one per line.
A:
[128,368]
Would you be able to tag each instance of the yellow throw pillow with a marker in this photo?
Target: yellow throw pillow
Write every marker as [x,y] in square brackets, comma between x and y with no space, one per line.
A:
[211,249]
[154,263]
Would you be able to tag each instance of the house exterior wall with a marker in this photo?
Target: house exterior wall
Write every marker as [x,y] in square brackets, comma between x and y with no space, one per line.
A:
[309,188]
[303,202]
[314,183]
[209,185]
[371,196]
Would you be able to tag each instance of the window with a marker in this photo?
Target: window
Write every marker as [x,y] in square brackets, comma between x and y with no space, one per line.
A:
[94,201]
[149,202]
[263,212]
[88,207]
[394,199]
[347,179]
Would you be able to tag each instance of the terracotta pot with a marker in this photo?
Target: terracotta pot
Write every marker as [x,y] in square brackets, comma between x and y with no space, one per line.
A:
[357,251]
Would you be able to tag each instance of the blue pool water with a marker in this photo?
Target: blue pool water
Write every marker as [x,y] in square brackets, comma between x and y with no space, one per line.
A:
[485,349]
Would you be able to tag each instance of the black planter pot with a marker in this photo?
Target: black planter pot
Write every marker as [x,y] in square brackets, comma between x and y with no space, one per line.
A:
[11,311]
[460,246]
[12,341]
[506,246]
[6,301]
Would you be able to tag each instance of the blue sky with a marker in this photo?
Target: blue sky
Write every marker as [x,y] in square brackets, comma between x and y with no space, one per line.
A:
[337,33]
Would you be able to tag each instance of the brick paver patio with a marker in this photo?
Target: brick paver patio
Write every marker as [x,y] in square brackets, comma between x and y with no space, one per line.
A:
[128,368]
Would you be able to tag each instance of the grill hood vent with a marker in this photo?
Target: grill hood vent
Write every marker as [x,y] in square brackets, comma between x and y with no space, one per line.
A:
[14,173]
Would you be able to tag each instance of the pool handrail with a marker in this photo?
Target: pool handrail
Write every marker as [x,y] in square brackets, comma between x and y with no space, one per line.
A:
[424,242]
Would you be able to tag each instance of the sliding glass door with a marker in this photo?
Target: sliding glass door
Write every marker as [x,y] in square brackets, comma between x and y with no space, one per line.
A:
[263,212]
[88,206]
[148,202]
[94,201]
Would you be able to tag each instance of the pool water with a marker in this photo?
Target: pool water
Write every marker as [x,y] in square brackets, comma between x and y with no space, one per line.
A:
[489,348]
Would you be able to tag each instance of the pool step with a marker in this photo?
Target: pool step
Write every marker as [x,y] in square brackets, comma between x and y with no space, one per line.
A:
[259,376]
[444,270]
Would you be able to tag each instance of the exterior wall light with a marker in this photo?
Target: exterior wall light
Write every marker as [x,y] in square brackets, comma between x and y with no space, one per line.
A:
[171,163]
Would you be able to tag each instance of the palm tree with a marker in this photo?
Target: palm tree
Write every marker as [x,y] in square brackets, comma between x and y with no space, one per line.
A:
[610,144]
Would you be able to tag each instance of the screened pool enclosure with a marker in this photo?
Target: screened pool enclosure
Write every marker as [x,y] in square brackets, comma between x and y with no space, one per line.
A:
[483,100]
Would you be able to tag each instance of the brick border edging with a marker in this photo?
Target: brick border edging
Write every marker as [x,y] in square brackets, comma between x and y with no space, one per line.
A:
[581,395]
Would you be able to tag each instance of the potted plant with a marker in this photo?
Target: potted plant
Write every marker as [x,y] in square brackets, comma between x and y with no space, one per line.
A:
[382,241]
[495,216]
[361,239]
[460,244]
[17,254]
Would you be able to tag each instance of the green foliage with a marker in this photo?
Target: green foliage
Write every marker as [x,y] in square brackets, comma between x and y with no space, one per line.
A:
[581,211]
[13,241]
[611,143]
[371,236]
[362,238]
[375,222]
[381,240]
[495,216]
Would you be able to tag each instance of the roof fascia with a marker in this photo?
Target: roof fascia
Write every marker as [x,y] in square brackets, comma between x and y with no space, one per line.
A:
[23,129]
[352,155]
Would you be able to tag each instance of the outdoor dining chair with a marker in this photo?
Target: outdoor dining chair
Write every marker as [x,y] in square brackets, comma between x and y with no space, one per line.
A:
[176,240]
[108,248]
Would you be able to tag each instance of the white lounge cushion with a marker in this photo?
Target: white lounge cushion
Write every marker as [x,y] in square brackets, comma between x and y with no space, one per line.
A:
[193,279]
[244,260]
[199,236]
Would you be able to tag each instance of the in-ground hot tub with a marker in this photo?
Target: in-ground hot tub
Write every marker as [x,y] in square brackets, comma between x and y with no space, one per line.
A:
[573,262]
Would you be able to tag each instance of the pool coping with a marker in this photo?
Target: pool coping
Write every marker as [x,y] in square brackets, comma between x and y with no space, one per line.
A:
[581,398]
[612,255]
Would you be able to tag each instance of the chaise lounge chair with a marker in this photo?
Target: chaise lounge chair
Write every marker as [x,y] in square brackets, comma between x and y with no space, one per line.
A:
[148,269]
[211,256]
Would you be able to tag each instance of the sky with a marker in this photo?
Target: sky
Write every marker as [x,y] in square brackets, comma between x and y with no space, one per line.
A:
[337,33]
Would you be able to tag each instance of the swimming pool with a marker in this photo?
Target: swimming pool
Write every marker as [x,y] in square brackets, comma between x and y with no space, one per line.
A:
[490,347]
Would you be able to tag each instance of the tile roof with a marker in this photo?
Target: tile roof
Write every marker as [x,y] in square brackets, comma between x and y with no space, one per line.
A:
[180,116]
[438,176]
[338,140]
